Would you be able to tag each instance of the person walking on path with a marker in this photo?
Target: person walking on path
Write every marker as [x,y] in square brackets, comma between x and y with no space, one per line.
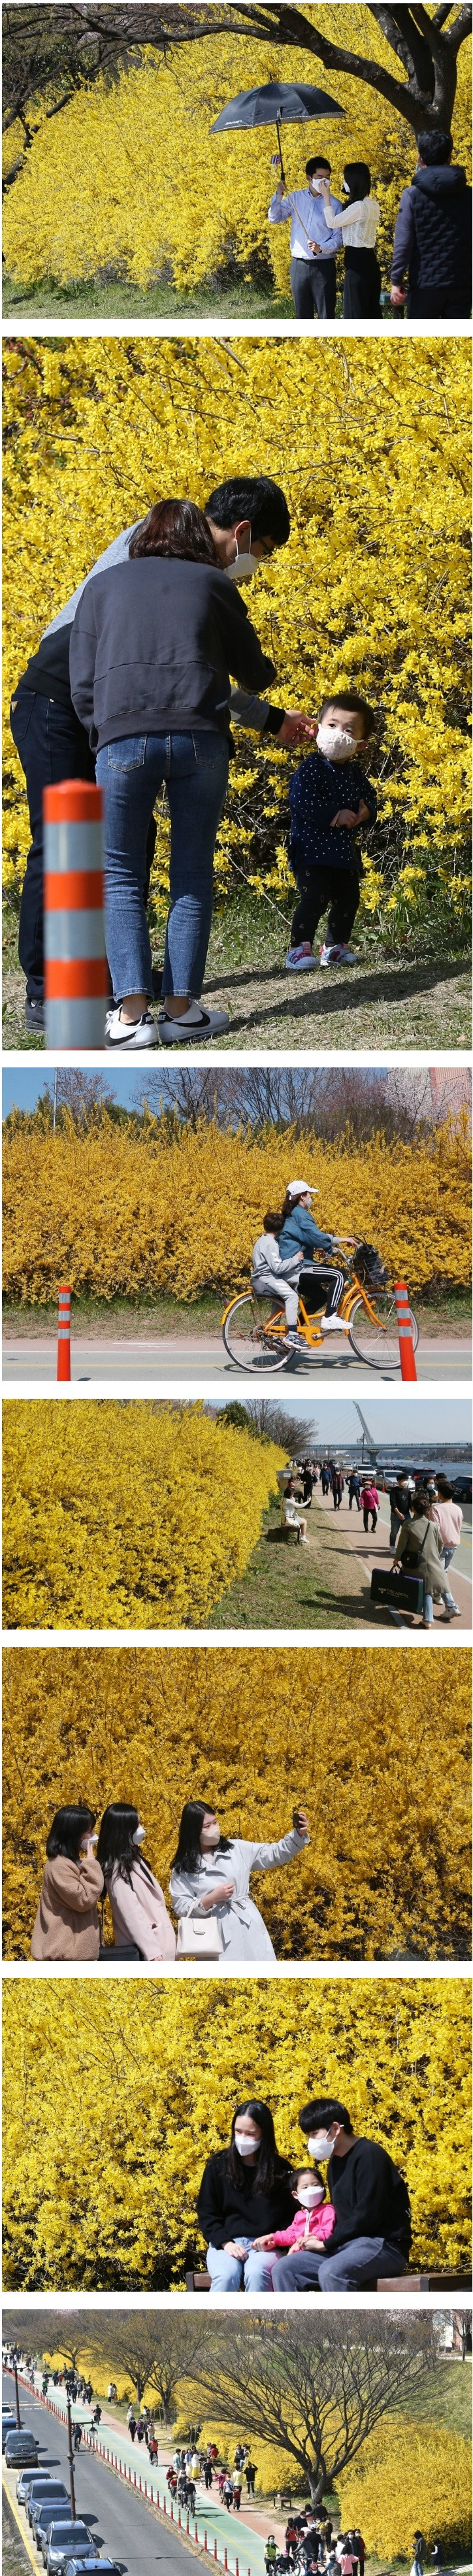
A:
[419,1549]
[399,1504]
[211,1875]
[314,243]
[432,240]
[370,1504]
[354,1489]
[67,1922]
[448,1518]
[208,2474]
[357,223]
[338,1488]
[271,2552]
[250,2474]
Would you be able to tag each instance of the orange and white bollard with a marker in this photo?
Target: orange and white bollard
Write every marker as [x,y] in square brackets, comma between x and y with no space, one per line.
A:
[76,983]
[63,1371]
[404,1326]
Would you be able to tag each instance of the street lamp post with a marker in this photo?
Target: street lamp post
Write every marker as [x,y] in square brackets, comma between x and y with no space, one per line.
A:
[17,2401]
[71,2460]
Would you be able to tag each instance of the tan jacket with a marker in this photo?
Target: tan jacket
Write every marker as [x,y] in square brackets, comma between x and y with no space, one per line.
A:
[67,1923]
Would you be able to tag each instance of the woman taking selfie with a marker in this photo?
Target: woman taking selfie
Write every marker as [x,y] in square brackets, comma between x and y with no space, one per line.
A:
[137,1901]
[67,1922]
[211,1875]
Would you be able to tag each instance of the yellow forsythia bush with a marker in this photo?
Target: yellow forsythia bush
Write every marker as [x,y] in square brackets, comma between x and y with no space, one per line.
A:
[256,1732]
[370,444]
[116,2092]
[155,194]
[142,1212]
[410,2476]
[123,1515]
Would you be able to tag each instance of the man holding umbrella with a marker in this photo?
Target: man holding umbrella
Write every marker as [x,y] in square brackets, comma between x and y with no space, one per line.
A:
[313,245]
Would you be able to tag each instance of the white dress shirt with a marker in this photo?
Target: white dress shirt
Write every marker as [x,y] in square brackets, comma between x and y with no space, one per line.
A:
[358,224]
[309,224]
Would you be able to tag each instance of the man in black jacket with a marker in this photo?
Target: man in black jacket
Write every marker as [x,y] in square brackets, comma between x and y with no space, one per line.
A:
[372,2235]
[248,515]
[432,240]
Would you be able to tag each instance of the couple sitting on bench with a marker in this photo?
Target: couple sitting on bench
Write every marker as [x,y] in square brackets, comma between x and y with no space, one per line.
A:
[272,2227]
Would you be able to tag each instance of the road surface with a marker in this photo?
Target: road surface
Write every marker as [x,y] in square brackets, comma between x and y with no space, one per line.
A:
[124,2527]
[148,1359]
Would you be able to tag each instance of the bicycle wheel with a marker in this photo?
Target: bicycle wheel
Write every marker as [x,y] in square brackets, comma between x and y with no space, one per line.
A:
[375,1336]
[250,1337]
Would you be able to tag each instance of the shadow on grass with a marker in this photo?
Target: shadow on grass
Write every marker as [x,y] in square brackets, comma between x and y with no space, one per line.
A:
[341,993]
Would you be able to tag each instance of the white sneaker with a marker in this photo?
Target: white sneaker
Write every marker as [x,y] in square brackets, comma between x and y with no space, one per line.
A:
[130,1033]
[333,1324]
[339,956]
[194,1024]
[298,958]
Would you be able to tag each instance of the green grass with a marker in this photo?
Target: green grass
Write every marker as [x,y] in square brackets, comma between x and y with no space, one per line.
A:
[117,300]
[282,1587]
[444,1312]
[441,2397]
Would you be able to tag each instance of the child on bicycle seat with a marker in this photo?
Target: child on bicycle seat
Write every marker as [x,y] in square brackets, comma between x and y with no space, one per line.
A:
[314,2219]
[330,797]
[297,1238]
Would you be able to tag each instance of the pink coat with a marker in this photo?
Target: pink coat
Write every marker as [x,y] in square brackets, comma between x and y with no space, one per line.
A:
[321,2223]
[370,1498]
[139,1914]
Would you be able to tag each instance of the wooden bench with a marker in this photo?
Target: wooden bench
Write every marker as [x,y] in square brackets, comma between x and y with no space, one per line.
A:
[436,2282]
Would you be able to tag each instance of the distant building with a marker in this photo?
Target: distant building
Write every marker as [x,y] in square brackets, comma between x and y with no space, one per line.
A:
[453,2331]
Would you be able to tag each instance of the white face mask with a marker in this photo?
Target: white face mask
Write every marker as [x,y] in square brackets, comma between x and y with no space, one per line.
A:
[244,566]
[315,187]
[246,2146]
[346,188]
[335,744]
[140,1836]
[311,2196]
[85,1847]
[211,1836]
[320,2146]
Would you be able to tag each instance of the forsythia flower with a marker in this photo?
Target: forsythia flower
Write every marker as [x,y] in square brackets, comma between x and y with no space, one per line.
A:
[369,439]
[126,1723]
[111,2109]
[410,2475]
[120,1515]
[120,1212]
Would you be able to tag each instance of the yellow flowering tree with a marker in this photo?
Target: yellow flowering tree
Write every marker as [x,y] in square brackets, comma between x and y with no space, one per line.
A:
[122,1515]
[111,2109]
[156,196]
[411,2476]
[370,443]
[125,1211]
[94,1725]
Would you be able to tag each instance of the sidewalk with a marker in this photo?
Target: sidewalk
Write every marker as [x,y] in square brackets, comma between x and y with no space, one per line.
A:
[234,2531]
[350,1556]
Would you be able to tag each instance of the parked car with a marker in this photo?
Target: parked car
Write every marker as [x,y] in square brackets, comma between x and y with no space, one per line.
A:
[63,2538]
[9,2425]
[42,2513]
[462,1489]
[92,2567]
[20,2449]
[54,2492]
[31,2482]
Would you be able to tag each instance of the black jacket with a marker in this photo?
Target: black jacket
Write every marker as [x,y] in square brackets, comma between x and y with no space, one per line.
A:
[432,239]
[152,647]
[369,2196]
[227,2209]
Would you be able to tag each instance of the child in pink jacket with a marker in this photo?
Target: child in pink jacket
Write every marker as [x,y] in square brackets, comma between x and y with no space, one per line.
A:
[314,2220]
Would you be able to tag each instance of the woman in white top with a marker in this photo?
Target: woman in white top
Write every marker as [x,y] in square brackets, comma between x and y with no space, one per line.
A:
[211,1875]
[358,224]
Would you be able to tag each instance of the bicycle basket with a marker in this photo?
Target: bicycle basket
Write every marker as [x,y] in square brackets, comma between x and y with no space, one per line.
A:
[369,1267]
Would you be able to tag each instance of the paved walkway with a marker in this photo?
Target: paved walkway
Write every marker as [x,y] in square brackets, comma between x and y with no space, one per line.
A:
[243,2534]
[349,1558]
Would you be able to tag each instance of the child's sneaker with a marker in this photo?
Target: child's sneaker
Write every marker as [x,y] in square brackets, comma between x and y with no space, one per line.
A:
[298,958]
[338,956]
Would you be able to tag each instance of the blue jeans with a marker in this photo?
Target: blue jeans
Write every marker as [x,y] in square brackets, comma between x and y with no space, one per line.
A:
[428,1610]
[366,2258]
[194,768]
[51,745]
[229,2272]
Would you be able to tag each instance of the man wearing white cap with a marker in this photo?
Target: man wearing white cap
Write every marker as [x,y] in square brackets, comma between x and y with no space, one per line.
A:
[297,1238]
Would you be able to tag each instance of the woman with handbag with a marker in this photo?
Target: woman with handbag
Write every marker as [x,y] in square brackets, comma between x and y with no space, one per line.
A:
[419,1547]
[238,2184]
[209,1885]
[67,1921]
[136,1899]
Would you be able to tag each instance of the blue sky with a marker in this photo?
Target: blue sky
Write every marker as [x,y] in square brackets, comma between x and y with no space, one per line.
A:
[420,1419]
[22,1088]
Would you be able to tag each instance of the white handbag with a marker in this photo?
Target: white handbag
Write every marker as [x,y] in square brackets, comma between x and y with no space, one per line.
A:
[199,1937]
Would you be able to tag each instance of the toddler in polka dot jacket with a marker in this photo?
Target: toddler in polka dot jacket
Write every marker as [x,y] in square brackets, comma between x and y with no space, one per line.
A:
[327,811]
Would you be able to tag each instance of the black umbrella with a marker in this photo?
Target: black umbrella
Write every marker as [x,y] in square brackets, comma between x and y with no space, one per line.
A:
[288,102]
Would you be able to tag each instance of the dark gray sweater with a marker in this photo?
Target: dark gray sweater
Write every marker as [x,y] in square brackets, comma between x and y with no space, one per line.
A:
[152,647]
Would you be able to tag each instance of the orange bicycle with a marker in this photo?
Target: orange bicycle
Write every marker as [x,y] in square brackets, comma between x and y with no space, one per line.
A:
[255,1330]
